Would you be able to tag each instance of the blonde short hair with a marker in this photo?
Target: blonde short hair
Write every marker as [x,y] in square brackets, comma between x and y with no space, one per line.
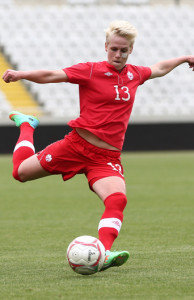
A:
[121,28]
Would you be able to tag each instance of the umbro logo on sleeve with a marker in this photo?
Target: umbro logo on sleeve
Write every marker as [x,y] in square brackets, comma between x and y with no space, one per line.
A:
[108,74]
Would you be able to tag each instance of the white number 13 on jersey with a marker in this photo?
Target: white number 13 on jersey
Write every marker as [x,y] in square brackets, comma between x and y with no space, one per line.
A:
[126,91]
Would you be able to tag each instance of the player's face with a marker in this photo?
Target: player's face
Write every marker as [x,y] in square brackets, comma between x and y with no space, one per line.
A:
[118,50]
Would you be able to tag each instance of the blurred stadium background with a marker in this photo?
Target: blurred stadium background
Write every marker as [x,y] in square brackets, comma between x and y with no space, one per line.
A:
[52,34]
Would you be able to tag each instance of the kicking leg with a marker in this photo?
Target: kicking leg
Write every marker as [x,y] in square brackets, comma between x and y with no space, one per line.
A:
[112,191]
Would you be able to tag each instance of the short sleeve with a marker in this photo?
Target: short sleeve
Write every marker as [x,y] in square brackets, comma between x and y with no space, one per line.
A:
[144,73]
[80,73]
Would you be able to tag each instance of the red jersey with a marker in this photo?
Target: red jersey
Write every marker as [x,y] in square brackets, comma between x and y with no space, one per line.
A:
[106,98]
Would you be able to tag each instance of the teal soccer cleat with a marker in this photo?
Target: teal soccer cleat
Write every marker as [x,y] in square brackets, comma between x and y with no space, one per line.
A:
[20,118]
[114,259]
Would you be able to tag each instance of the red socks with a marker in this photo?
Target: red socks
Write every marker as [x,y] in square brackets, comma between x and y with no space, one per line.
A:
[112,218]
[24,147]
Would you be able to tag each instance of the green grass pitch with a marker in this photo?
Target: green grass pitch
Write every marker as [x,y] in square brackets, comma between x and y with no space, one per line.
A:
[39,219]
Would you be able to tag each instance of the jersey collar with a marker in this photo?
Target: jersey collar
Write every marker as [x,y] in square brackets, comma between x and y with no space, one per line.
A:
[114,69]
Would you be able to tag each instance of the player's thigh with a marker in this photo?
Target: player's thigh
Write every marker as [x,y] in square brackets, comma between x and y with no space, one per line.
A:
[31,169]
[109,185]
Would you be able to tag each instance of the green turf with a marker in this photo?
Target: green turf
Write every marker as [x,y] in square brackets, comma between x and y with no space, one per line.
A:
[38,220]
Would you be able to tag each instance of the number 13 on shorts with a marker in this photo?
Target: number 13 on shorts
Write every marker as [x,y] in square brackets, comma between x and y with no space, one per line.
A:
[116,167]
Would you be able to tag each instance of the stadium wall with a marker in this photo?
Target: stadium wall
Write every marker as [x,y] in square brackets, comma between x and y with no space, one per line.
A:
[139,137]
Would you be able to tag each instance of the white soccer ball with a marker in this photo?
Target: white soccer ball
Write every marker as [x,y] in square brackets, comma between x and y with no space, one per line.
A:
[86,255]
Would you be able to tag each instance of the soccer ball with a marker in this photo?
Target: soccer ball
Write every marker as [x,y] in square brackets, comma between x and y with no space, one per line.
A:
[86,255]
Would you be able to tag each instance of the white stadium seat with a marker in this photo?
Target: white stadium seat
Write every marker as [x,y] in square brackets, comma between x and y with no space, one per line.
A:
[4,105]
[54,37]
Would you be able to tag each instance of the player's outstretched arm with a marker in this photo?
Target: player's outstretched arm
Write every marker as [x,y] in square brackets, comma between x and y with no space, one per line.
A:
[38,76]
[164,67]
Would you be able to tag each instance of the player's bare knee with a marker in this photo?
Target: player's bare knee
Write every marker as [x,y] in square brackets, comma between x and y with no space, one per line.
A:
[23,176]
[16,176]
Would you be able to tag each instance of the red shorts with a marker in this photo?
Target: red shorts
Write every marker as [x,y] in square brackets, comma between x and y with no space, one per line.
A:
[74,155]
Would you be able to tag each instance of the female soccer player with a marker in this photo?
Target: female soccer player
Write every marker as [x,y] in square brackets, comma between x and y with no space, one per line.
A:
[107,91]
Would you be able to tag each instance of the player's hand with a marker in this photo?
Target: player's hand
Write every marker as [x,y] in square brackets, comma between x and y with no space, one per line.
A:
[191,66]
[11,76]
[191,62]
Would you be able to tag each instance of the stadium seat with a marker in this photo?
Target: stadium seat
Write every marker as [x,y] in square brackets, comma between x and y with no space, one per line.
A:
[54,37]
[5,107]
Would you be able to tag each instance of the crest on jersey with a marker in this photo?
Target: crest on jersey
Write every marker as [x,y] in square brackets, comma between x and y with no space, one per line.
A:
[48,157]
[108,74]
[130,75]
